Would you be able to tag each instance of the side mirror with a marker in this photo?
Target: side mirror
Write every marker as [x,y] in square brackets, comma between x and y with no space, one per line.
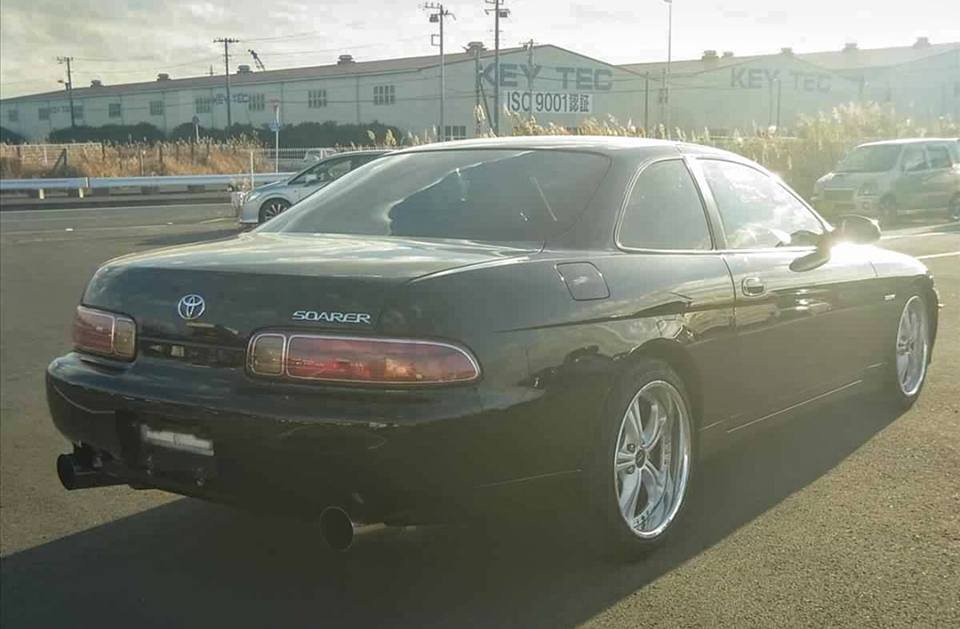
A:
[857,229]
[310,179]
[851,228]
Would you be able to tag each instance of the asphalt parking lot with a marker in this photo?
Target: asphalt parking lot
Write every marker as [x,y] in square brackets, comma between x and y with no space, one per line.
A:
[849,516]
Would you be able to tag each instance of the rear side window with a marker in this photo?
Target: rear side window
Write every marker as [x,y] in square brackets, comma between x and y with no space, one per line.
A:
[515,195]
[664,211]
[938,156]
[914,159]
[757,212]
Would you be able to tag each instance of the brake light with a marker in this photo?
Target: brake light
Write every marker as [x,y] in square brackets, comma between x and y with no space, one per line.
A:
[104,333]
[360,360]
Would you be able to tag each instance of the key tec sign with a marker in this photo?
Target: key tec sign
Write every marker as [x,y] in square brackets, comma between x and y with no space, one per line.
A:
[551,77]
[758,78]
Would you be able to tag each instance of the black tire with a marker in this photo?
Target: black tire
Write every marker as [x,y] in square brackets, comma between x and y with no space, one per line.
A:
[892,386]
[953,212]
[889,216]
[271,208]
[604,522]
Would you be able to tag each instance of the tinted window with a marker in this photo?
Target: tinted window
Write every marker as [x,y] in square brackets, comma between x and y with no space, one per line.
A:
[502,195]
[324,171]
[938,156]
[914,159]
[756,210]
[870,159]
[665,211]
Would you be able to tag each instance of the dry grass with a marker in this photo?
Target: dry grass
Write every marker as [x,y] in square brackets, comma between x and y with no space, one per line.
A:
[131,160]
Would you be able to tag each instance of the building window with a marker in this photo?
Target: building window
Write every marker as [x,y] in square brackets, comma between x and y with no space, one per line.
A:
[13,115]
[202,105]
[156,108]
[384,95]
[113,110]
[77,111]
[316,99]
[257,102]
[455,132]
[44,113]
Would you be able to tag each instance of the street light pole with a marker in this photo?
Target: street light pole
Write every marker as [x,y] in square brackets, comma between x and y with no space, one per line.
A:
[666,87]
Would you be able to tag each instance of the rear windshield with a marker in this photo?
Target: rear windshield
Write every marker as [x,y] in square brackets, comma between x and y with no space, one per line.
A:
[870,159]
[515,195]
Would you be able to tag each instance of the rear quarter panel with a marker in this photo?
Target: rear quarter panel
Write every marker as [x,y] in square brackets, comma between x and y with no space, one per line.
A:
[549,362]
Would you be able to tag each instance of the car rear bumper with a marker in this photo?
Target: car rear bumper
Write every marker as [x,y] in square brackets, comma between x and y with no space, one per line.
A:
[432,462]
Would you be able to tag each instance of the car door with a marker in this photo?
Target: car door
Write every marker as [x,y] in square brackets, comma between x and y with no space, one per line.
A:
[911,186]
[674,269]
[941,184]
[800,334]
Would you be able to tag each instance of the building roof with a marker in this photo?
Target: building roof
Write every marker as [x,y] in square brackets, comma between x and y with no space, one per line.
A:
[837,61]
[355,68]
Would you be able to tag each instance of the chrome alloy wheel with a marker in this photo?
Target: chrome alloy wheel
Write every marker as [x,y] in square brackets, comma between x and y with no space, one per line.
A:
[652,460]
[913,346]
[274,208]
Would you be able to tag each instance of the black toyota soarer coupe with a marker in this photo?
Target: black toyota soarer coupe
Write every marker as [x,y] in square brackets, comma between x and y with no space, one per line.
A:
[484,320]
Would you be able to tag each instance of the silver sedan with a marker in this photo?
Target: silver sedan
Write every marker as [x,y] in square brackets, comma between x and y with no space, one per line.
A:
[267,201]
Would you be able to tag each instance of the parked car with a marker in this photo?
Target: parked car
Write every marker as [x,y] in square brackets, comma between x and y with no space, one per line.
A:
[268,201]
[491,320]
[893,178]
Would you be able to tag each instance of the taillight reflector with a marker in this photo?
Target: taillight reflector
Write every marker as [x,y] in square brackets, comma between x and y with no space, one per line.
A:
[104,333]
[360,360]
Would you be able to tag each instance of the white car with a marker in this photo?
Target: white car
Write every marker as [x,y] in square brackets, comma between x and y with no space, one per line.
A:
[269,200]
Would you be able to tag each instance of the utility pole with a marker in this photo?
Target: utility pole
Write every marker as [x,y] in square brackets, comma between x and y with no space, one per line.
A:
[666,86]
[68,61]
[529,45]
[226,41]
[498,12]
[439,15]
[476,89]
[646,103]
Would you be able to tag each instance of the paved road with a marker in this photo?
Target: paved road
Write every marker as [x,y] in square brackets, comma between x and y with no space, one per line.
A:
[850,516]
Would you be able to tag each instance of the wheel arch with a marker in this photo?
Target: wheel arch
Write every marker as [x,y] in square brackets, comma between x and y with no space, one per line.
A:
[679,359]
[924,287]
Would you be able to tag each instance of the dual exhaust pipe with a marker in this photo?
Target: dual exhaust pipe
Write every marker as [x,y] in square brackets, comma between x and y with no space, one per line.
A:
[337,529]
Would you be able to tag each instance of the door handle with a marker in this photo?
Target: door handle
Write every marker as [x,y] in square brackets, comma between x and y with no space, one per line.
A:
[753,286]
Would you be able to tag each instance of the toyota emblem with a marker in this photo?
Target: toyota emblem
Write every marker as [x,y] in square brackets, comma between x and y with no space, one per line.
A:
[191,307]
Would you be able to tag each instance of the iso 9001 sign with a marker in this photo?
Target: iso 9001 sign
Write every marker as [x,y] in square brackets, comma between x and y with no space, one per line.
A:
[549,102]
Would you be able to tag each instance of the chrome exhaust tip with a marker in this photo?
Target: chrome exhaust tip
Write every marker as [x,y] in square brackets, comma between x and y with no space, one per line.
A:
[337,529]
[74,475]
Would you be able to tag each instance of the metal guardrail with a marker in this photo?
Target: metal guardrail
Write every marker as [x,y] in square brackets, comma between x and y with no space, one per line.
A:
[106,183]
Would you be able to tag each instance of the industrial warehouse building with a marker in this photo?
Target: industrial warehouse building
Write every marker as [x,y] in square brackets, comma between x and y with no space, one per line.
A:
[720,92]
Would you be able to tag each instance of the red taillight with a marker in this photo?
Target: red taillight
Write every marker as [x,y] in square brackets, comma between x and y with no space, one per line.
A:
[104,333]
[360,360]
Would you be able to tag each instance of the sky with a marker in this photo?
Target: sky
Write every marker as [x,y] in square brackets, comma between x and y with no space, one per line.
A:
[122,41]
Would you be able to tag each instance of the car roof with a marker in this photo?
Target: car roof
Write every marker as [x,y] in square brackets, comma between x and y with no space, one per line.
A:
[359,152]
[901,141]
[604,144]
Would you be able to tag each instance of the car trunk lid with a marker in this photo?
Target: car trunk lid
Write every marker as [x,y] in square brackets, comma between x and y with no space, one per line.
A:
[256,281]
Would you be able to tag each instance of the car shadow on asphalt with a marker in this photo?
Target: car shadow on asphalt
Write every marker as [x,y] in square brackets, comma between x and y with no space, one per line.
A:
[192,563]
